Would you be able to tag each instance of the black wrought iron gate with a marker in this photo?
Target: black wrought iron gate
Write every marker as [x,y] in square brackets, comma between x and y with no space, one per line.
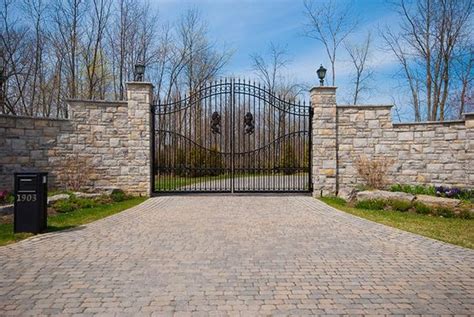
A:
[231,136]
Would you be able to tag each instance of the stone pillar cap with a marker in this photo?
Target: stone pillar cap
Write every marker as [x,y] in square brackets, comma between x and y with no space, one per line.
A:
[139,83]
[323,88]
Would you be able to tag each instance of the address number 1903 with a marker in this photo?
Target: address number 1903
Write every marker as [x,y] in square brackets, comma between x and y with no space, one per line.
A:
[25,197]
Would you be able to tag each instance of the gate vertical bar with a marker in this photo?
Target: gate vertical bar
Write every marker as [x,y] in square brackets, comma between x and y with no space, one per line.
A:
[232,136]
[152,148]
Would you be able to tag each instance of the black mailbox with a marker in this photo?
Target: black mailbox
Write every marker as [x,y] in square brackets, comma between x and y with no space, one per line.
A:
[31,202]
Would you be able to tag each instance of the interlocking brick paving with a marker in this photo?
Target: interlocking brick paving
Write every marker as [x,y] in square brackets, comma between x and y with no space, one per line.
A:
[231,256]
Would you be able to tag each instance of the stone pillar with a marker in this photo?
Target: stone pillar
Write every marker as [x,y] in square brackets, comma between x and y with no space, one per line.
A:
[139,96]
[324,140]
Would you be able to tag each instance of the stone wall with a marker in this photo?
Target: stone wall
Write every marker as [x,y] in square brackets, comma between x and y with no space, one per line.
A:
[432,153]
[26,144]
[107,144]
[97,146]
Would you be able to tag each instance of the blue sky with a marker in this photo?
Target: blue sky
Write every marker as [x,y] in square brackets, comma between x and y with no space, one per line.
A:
[248,26]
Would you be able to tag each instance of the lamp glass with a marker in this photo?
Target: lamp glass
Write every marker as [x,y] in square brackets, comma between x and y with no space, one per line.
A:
[321,72]
[139,69]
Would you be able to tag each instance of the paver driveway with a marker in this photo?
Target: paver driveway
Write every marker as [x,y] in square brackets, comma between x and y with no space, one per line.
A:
[231,255]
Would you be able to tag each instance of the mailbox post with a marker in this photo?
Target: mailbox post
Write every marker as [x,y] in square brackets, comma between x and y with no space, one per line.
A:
[31,202]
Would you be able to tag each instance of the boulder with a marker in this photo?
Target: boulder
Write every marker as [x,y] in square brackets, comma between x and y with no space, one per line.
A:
[385,195]
[110,190]
[86,195]
[57,197]
[6,209]
[347,193]
[438,201]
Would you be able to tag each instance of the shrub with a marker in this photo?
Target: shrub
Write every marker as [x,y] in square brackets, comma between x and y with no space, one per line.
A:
[361,187]
[371,204]
[334,200]
[84,203]
[396,188]
[77,174]
[445,212]
[103,200]
[374,171]
[421,208]
[3,196]
[466,214]
[63,206]
[442,191]
[288,160]
[415,190]
[118,195]
[73,203]
[6,197]
[214,162]
[399,205]
[10,198]
[180,163]
[199,162]
[467,195]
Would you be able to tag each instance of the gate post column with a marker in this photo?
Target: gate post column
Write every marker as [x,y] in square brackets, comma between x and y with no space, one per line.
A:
[324,140]
[139,98]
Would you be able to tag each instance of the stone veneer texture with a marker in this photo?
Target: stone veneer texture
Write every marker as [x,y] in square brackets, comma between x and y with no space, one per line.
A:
[111,141]
[435,153]
[430,153]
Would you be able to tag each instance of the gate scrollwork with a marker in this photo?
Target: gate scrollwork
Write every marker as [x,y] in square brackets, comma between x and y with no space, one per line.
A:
[216,123]
[249,123]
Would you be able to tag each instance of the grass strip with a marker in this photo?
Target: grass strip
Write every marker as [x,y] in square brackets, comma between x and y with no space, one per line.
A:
[452,230]
[71,219]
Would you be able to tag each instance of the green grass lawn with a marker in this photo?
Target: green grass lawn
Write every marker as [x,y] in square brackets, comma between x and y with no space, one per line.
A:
[71,219]
[167,182]
[453,230]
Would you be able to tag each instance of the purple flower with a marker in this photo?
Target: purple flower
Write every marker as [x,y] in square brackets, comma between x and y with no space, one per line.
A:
[439,190]
[453,192]
[3,194]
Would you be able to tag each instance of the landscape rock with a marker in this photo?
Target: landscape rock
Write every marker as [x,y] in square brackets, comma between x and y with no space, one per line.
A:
[385,195]
[438,201]
[6,209]
[86,195]
[347,194]
[110,190]
[57,197]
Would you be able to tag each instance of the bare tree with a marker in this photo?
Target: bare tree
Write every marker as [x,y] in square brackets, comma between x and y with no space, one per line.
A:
[131,39]
[202,61]
[431,32]
[270,69]
[68,17]
[330,23]
[394,44]
[13,46]
[464,75]
[93,52]
[35,10]
[359,56]
[59,49]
